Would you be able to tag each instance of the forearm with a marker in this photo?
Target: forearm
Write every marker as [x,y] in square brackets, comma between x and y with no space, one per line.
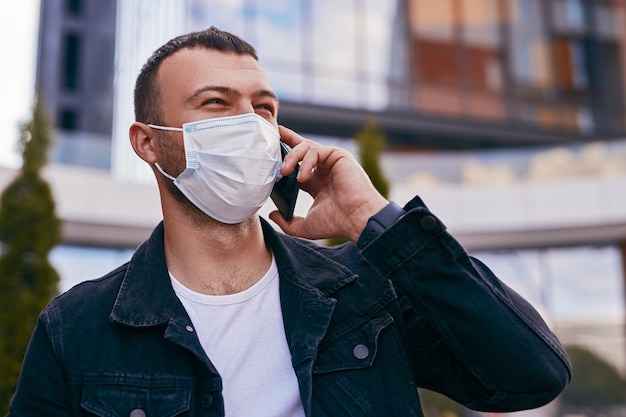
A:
[484,331]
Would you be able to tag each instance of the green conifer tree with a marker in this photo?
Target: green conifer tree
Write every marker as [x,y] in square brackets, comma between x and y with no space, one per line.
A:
[596,385]
[370,141]
[29,229]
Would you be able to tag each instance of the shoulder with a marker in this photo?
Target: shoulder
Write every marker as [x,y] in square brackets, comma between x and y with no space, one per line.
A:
[88,297]
[340,271]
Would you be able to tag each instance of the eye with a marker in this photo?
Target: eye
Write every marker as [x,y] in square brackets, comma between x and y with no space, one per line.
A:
[266,107]
[213,101]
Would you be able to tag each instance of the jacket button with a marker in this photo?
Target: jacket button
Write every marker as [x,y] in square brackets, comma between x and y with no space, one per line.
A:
[206,401]
[428,223]
[137,413]
[360,351]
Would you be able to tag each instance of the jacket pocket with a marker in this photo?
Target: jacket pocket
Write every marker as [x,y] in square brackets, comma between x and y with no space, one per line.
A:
[117,396]
[355,350]
[365,372]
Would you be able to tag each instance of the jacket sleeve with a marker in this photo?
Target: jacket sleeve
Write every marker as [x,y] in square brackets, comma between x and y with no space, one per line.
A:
[472,338]
[41,388]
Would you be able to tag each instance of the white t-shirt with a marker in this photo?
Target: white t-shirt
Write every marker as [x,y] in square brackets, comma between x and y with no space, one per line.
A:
[244,336]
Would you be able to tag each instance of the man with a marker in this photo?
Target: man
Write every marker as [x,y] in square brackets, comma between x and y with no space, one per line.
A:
[218,314]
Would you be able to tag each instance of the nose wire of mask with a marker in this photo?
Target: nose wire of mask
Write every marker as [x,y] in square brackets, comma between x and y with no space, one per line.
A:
[232,164]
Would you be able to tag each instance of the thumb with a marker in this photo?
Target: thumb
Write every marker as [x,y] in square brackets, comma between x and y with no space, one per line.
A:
[295,227]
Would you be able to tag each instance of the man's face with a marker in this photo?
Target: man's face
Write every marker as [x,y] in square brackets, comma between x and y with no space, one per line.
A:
[199,83]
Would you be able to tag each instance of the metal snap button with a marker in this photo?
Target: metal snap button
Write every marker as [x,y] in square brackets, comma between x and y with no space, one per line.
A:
[206,401]
[137,413]
[428,222]
[189,328]
[360,351]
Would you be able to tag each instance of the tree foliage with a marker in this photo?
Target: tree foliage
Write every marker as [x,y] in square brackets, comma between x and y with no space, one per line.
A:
[370,141]
[596,388]
[29,229]
[595,383]
[438,405]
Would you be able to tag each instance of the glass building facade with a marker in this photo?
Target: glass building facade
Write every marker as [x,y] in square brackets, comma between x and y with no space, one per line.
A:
[552,68]
[74,78]
[319,52]
[553,64]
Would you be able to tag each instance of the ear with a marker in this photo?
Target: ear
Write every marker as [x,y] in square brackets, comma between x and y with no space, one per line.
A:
[142,139]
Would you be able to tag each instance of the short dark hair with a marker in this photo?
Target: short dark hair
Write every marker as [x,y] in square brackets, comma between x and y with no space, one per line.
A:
[147,105]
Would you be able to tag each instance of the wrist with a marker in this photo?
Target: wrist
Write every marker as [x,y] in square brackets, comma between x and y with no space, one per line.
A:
[380,222]
[360,215]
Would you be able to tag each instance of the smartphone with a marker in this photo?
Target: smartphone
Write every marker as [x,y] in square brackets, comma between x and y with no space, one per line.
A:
[285,191]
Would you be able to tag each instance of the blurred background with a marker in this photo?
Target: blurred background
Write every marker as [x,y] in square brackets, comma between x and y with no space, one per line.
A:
[506,116]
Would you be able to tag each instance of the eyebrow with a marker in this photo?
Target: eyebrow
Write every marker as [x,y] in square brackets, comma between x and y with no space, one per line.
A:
[267,93]
[230,92]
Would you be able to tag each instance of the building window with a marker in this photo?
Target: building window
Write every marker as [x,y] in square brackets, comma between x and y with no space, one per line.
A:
[568,16]
[71,62]
[73,7]
[457,57]
[482,45]
[607,20]
[571,64]
[68,119]
[435,42]
[529,48]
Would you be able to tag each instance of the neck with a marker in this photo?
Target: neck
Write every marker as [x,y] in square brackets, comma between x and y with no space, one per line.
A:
[215,258]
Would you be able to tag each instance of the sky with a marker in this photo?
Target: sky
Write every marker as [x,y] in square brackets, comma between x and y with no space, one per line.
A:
[18,27]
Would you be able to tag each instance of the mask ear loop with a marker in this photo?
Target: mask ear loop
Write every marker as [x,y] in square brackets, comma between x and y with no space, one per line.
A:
[165,174]
[175,129]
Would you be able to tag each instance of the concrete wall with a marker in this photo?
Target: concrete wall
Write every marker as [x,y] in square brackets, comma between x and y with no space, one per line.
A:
[98,210]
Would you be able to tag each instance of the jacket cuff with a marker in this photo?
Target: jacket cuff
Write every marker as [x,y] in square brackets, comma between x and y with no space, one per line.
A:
[380,222]
[405,237]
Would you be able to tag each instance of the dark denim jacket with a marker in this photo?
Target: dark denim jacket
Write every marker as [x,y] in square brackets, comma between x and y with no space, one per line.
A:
[365,328]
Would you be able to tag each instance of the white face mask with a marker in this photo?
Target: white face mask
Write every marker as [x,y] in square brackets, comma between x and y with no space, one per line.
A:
[232,164]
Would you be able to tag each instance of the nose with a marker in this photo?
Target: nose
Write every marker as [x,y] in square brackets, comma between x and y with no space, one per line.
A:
[244,106]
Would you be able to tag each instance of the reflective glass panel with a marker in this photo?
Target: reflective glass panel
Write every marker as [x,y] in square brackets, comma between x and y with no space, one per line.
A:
[278,36]
[76,264]
[568,15]
[606,16]
[434,46]
[230,15]
[570,284]
[334,52]
[482,44]
[530,57]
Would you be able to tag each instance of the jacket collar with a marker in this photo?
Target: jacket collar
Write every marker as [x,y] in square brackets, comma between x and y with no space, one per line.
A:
[308,279]
[146,297]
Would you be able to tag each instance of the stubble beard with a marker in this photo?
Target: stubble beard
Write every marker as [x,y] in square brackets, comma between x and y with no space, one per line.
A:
[174,163]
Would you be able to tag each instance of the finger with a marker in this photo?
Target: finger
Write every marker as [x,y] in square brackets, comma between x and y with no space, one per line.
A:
[292,228]
[307,153]
[276,217]
[319,160]
[309,160]
[288,136]
[292,139]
